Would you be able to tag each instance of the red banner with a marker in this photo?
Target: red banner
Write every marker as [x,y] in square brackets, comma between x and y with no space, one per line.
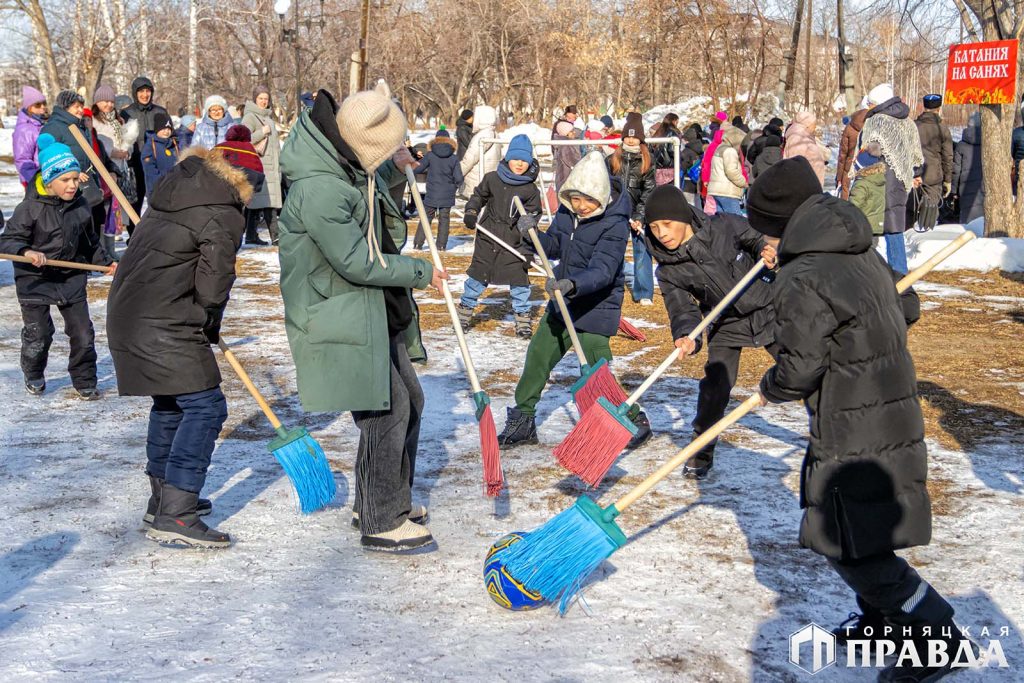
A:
[982,73]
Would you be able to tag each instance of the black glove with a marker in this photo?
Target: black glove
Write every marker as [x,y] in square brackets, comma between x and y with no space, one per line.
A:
[469,220]
[526,224]
[566,287]
[211,328]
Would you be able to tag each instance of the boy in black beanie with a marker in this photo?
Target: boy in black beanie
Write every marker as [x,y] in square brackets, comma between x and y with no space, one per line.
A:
[841,336]
[700,259]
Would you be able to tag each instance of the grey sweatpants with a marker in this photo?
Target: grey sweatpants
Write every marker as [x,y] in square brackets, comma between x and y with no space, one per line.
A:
[386,462]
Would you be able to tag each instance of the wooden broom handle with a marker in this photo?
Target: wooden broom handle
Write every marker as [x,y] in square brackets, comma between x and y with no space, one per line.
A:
[512,250]
[445,289]
[57,264]
[559,299]
[682,456]
[697,331]
[938,257]
[104,173]
[244,376]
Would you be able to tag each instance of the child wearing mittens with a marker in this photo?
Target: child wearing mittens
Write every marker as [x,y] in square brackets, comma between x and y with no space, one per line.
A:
[588,239]
[492,263]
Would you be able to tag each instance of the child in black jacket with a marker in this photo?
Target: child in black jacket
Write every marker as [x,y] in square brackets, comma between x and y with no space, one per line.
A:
[444,177]
[700,260]
[55,222]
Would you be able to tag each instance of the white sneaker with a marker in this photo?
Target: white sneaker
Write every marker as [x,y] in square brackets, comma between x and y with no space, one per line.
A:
[406,537]
[418,514]
[646,302]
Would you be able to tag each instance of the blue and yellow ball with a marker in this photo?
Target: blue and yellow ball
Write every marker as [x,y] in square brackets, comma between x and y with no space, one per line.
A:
[502,588]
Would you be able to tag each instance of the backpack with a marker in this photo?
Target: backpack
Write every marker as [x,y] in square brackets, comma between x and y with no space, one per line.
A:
[693,175]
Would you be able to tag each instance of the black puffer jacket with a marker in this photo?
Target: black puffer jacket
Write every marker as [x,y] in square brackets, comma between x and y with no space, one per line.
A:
[695,277]
[174,278]
[463,134]
[492,263]
[638,185]
[967,176]
[61,231]
[764,152]
[841,332]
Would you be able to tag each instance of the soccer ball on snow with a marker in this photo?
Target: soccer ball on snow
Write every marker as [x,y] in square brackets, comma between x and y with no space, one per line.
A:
[502,588]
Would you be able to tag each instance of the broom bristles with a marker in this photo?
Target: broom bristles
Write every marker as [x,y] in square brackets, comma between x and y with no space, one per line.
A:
[601,383]
[494,479]
[305,463]
[593,445]
[627,328]
[555,559]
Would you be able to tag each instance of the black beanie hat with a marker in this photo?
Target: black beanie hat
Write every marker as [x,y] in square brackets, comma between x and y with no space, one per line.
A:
[161,121]
[466,115]
[668,203]
[777,122]
[778,192]
[932,101]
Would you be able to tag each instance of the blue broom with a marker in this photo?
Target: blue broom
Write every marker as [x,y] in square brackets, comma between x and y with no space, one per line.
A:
[554,560]
[301,457]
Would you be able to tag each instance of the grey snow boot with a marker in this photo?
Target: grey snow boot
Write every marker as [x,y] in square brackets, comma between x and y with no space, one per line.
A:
[520,430]
[203,507]
[465,316]
[176,521]
[524,325]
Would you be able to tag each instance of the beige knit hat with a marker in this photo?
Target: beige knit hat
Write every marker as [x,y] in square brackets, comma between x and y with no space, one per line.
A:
[372,125]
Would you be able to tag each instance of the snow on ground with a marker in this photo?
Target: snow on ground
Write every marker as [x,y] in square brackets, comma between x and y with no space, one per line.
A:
[983,254]
[709,587]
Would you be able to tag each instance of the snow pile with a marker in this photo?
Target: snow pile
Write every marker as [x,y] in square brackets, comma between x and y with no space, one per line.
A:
[982,254]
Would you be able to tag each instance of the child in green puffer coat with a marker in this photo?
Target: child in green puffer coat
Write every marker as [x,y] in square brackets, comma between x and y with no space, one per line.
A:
[868,190]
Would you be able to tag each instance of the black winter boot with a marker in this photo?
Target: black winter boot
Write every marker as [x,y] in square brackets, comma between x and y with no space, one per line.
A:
[176,521]
[35,386]
[925,673]
[643,433]
[203,507]
[701,462]
[858,626]
[520,430]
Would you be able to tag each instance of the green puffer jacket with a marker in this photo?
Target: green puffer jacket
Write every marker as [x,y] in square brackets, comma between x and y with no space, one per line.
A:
[868,195]
[333,291]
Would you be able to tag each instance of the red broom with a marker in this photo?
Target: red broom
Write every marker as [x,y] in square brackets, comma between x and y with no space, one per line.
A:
[494,480]
[627,328]
[596,381]
[593,445]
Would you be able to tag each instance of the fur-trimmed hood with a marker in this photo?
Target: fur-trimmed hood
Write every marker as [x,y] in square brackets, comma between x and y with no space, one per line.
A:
[437,146]
[203,177]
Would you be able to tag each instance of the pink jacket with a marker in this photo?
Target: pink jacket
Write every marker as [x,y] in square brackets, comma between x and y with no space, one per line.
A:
[800,142]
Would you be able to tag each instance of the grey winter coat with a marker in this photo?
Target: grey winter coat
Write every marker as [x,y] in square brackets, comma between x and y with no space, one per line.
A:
[254,118]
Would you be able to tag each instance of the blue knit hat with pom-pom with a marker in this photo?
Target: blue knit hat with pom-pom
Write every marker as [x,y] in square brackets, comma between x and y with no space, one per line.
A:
[55,158]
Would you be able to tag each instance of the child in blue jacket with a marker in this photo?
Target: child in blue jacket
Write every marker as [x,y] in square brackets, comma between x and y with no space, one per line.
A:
[159,151]
[444,177]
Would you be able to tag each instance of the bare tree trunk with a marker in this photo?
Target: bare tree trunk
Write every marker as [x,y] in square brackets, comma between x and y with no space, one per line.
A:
[76,44]
[46,62]
[845,61]
[1002,217]
[118,46]
[789,65]
[143,38]
[193,57]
